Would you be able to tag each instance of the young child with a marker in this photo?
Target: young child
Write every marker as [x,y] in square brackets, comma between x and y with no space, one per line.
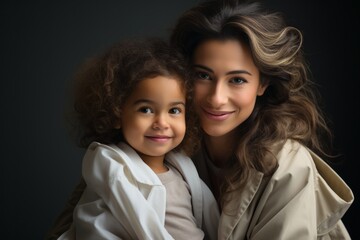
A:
[131,104]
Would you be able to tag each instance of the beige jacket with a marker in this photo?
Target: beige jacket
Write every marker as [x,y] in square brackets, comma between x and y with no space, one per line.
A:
[303,199]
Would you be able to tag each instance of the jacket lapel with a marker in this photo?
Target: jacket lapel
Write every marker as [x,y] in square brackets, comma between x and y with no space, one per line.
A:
[236,209]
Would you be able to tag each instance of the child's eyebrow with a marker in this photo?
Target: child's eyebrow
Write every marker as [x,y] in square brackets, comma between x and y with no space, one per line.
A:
[141,101]
[177,103]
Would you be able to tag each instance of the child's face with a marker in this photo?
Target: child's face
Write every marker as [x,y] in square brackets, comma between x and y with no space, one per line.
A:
[153,117]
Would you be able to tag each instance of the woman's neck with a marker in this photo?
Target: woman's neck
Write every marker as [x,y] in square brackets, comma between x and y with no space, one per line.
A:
[220,149]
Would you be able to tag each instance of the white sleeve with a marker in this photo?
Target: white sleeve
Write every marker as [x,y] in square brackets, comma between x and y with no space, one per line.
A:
[111,180]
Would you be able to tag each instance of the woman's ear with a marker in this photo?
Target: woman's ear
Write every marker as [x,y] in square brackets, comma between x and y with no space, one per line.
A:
[262,88]
[264,83]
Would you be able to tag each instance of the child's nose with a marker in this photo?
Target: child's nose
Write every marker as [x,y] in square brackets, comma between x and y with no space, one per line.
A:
[160,122]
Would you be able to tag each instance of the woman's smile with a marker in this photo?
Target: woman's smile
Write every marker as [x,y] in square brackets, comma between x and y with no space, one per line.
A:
[216,115]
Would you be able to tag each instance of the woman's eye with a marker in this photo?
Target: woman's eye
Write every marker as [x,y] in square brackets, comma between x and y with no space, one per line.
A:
[203,75]
[237,80]
[175,111]
[145,110]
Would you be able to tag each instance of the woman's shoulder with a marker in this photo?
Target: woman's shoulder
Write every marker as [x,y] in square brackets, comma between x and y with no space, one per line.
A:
[299,165]
[294,161]
[293,152]
[302,164]
[295,173]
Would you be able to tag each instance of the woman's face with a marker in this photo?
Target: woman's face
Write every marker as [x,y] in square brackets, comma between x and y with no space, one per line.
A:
[226,86]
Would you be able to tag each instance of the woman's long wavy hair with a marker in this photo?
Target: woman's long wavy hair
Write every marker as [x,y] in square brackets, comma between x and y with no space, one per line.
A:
[103,83]
[289,108]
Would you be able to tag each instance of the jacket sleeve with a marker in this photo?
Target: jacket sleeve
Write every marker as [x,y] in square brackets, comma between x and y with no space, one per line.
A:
[111,180]
[211,213]
[287,207]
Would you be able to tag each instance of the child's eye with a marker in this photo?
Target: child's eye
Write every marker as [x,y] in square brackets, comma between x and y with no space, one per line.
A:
[237,80]
[175,111]
[146,110]
[203,75]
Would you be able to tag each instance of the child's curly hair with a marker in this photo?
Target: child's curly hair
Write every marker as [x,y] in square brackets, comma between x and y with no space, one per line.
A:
[103,83]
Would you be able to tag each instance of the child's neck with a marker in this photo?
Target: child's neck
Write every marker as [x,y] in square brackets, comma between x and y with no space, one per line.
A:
[155,163]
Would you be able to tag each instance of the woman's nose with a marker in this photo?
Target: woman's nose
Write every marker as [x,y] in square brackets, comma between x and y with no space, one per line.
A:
[217,95]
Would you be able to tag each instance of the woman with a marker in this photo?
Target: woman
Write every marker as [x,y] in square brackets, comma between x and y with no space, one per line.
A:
[261,125]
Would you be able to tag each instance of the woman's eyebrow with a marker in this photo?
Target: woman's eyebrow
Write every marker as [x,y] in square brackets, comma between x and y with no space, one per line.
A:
[228,73]
[238,72]
[203,67]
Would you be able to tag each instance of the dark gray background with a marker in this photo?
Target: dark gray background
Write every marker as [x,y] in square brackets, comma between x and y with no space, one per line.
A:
[42,43]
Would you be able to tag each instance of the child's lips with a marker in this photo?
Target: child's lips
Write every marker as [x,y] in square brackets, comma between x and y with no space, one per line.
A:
[159,138]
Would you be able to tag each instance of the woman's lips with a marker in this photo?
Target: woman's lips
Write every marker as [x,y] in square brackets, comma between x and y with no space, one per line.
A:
[216,115]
